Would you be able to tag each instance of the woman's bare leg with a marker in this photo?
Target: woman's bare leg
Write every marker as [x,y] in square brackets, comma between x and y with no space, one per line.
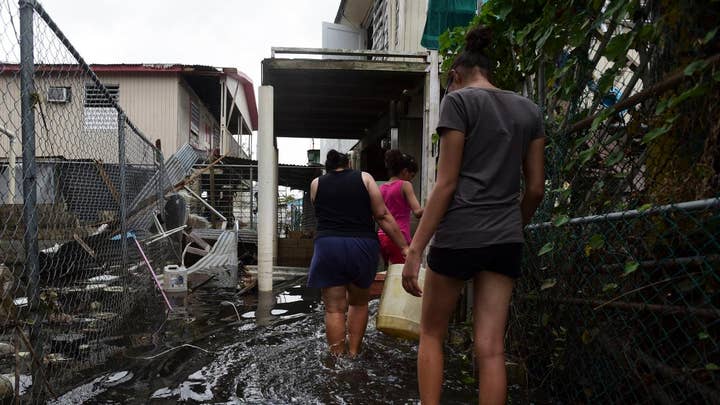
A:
[335,300]
[357,317]
[492,292]
[440,296]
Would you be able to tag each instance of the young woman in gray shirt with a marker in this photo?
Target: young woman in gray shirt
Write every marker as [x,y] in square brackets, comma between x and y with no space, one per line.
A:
[489,139]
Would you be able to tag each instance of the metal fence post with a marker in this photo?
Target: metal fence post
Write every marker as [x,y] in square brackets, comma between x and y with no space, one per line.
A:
[123,192]
[28,99]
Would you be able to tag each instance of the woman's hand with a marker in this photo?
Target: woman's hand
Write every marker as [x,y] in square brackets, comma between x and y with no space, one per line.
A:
[411,269]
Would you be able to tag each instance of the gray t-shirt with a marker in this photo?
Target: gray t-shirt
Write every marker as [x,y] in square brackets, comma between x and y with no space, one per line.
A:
[498,126]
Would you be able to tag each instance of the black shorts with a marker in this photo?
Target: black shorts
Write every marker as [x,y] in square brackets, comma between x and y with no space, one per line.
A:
[462,264]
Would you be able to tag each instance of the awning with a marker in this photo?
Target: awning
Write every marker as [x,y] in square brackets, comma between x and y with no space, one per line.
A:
[445,14]
[336,99]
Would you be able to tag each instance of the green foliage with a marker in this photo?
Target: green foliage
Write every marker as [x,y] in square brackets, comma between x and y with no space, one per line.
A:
[561,220]
[556,38]
[547,248]
[549,283]
[630,267]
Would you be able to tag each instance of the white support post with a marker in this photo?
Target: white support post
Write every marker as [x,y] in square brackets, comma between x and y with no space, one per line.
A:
[432,111]
[267,191]
[275,206]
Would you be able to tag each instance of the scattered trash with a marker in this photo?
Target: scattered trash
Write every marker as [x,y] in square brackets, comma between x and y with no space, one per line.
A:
[20,302]
[6,388]
[6,349]
[175,278]
[105,278]
[67,343]
[57,358]
[153,274]
[117,378]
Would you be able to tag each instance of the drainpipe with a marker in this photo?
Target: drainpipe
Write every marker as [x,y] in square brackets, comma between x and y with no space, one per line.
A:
[10,197]
[267,192]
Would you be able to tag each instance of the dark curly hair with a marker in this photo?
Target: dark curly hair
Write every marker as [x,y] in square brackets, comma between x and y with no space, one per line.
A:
[336,160]
[396,161]
[476,41]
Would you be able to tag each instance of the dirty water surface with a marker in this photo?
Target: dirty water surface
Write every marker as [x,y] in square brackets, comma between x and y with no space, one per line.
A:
[266,349]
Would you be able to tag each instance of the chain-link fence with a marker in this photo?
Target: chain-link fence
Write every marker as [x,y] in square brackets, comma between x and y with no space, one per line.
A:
[620,299]
[79,186]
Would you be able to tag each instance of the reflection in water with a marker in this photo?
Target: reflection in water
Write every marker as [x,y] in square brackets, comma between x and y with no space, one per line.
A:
[265,302]
[275,352]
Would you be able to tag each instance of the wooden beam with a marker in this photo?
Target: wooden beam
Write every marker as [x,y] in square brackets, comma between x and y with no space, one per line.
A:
[347,52]
[350,65]
[106,179]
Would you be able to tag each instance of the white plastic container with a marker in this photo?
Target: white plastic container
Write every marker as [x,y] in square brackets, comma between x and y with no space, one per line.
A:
[399,312]
[175,278]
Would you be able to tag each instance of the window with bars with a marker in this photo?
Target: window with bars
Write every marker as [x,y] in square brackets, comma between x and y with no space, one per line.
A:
[397,23]
[380,25]
[194,119]
[99,112]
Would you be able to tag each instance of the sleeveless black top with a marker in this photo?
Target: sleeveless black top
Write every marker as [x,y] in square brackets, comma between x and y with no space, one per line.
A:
[342,206]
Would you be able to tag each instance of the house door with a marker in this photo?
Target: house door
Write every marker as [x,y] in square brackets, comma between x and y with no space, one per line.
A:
[336,36]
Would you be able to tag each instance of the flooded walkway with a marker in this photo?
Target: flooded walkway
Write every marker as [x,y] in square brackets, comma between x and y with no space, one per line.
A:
[275,355]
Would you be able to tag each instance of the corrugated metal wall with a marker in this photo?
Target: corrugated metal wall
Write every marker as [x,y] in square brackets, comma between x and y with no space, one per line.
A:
[150,103]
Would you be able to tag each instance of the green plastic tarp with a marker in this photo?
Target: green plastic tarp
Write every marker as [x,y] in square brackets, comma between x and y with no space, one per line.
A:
[444,14]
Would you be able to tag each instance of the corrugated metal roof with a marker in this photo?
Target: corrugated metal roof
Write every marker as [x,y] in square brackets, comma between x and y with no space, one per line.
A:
[243,235]
[177,167]
[221,262]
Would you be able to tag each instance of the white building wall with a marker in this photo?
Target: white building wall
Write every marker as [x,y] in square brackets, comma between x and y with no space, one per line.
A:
[340,145]
[150,103]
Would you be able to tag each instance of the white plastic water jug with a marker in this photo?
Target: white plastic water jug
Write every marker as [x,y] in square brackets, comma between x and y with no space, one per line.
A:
[175,278]
[399,312]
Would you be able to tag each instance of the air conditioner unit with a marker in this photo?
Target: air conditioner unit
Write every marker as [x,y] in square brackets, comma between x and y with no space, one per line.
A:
[58,95]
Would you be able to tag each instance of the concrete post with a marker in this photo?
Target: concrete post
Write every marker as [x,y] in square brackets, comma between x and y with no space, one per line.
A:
[275,205]
[267,191]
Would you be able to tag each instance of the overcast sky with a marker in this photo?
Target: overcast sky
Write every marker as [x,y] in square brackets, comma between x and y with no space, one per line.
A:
[222,33]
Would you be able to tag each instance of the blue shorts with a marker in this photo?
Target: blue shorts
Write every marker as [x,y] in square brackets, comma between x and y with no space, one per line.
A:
[340,260]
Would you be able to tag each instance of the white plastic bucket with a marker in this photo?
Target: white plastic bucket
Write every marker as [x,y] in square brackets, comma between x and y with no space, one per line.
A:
[175,278]
[399,312]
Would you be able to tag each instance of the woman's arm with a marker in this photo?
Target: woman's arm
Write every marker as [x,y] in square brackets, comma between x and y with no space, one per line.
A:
[452,143]
[409,194]
[313,189]
[534,174]
[381,214]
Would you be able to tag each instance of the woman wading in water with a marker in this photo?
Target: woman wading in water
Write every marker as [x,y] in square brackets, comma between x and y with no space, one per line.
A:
[489,138]
[347,205]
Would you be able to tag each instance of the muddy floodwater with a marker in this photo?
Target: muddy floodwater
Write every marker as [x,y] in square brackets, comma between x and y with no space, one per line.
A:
[250,349]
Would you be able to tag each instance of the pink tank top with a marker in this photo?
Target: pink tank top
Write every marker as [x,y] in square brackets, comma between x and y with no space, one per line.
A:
[395,201]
